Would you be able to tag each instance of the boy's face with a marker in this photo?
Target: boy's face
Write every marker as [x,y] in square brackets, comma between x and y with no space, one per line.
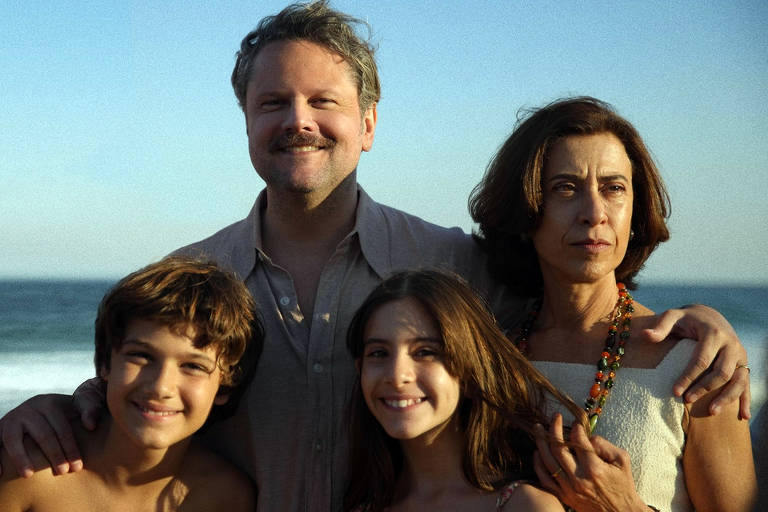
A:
[160,388]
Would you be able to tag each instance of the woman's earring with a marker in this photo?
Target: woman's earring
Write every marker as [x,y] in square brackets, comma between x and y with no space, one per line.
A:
[631,234]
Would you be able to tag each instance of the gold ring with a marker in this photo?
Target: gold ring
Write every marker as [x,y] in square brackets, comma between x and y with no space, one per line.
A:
[743,366]
[557,473]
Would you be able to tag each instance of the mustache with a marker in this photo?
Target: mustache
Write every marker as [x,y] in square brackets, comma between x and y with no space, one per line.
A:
[285,140]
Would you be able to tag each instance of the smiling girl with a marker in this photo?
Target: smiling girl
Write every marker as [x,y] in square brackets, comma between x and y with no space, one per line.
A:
[443,411]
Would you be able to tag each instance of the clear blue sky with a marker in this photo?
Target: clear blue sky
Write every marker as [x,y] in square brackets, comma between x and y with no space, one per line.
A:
[121,140]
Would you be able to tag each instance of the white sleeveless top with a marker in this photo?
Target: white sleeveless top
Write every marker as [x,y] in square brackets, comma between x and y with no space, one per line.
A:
[641,416]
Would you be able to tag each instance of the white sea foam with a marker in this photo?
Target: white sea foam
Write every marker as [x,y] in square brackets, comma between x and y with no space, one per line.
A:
[24,374]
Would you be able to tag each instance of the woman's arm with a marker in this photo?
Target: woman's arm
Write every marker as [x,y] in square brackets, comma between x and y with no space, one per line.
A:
[590,475]
[717,461]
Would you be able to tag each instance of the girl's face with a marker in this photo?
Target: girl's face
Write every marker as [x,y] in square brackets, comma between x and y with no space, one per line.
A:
[402,372]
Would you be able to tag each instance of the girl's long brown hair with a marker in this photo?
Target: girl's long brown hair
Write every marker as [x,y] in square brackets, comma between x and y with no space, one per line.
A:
[503,396]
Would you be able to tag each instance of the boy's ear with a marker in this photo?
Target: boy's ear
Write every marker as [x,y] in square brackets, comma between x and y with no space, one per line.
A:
[221,399]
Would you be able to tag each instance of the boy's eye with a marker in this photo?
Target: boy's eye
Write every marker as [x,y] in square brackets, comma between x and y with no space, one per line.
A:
[197,368]
[137,356]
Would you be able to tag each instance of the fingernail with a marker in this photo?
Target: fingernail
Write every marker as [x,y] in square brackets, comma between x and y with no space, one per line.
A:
[692,397]
[62,469]
[715,409]
[27,472]
[76,465]
[678,390]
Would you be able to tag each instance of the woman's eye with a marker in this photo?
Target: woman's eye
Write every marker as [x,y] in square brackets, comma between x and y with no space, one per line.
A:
[565,187]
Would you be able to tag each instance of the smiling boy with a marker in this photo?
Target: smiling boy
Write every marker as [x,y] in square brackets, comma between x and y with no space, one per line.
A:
[176,342]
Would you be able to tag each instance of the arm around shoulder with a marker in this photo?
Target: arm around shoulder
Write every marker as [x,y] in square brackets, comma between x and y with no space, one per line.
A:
[717,461]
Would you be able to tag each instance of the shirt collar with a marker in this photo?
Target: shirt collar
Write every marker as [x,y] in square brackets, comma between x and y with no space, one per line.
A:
[370,228]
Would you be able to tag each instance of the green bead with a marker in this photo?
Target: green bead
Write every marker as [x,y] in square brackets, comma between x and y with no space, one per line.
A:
[592,422]
[624,335]
[620,351]
[602,364]
[615,365]
[602,400]
[609,383]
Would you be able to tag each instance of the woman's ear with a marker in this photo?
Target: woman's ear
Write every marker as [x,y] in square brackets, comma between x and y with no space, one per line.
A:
[221,399]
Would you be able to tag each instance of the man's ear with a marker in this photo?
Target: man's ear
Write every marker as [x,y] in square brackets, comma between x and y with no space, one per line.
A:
[369,127]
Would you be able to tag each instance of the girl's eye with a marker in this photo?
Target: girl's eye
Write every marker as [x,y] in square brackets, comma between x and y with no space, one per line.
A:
[376,353]
[428,353]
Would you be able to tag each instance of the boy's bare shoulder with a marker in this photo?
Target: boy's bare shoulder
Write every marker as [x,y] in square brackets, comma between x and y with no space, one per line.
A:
[17,492]
[213,481]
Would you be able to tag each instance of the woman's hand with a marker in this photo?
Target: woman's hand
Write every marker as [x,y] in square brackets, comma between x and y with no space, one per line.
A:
[719,359]
[589,474]
[44,418]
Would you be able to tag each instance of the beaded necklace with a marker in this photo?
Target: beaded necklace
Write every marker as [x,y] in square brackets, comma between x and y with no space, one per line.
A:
[610,357]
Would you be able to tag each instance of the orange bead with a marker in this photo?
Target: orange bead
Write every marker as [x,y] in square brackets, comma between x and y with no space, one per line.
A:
[595,390]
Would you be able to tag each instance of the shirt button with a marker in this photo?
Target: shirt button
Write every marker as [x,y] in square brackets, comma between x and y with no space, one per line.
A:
[317,367]
[285,301]
[318,446]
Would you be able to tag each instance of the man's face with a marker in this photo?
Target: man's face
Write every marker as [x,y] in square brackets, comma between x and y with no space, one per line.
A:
[305,128]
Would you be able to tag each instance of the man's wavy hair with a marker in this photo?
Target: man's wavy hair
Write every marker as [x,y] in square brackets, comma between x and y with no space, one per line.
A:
[508,203]
[181,292]
[502,395]
[315,22]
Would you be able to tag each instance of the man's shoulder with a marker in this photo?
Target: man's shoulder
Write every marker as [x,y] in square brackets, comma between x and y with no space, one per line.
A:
[212,481]
[400,220]
[220,242]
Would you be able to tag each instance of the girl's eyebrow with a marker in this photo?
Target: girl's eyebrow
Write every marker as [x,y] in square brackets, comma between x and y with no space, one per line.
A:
[429,339]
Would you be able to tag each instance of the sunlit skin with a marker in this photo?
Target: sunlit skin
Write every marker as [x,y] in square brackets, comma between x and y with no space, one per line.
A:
[403,378]
[304,124]
[585,227]
[160,387]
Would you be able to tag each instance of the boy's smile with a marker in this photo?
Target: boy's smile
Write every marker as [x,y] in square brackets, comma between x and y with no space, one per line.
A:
[160,387]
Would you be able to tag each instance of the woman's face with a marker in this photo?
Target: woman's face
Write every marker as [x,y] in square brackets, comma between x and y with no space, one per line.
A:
[585,225]
[402,373]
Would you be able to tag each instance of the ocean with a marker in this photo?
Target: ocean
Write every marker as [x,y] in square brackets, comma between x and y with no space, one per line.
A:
[46,331]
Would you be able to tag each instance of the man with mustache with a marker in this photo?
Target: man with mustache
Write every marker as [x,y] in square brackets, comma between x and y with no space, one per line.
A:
[310,250]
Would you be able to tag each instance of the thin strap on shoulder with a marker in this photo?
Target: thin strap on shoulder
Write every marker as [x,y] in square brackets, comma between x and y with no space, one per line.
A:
[506,493]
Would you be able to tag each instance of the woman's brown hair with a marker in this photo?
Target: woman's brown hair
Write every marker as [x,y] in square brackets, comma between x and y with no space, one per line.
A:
[507,204]
[502,395]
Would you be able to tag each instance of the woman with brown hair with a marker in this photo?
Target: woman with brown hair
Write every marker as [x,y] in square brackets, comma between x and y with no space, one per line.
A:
[575,191]
[444,407]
